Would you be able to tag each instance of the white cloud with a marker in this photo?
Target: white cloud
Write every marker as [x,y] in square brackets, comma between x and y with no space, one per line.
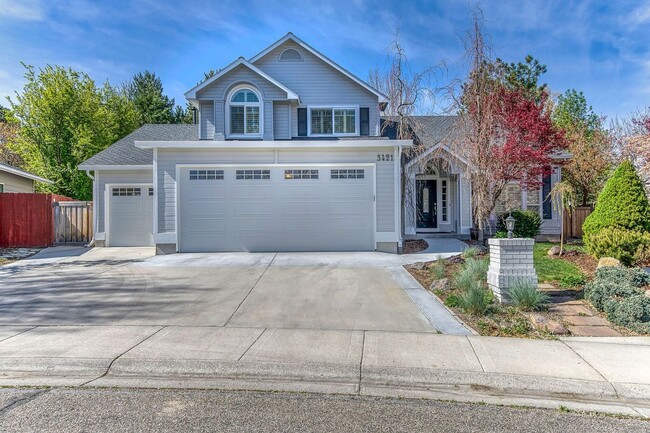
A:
[24,10]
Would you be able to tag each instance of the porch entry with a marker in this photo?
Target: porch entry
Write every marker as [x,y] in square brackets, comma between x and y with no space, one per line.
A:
[427,203]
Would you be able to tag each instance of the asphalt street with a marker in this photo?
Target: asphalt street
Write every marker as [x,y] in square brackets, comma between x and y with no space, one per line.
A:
[121,410]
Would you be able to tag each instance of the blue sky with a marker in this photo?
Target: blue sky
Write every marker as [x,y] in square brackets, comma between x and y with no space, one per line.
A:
[599,47]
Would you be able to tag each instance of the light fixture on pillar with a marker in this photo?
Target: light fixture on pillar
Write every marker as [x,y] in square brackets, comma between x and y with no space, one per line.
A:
[510,225]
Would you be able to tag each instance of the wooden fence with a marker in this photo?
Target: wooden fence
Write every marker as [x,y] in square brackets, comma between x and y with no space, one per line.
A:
[573,223]
[73,222]
[26,220]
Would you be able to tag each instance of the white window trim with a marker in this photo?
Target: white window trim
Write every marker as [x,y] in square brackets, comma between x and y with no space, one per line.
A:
[302,58]
[259,104]
[334,107]
[2,187]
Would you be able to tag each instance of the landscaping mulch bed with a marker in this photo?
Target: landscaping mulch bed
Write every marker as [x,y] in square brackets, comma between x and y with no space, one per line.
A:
[586,263]
[414,246]
[566,305]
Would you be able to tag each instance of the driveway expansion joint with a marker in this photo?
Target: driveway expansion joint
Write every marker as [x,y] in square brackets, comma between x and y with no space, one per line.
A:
[594,368]
[251,290]
[108,369]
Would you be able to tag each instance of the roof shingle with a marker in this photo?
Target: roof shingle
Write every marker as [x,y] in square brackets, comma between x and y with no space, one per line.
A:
[124,152]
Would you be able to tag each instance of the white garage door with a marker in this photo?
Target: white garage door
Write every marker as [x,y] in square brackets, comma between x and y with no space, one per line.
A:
[130,216]
[301,208]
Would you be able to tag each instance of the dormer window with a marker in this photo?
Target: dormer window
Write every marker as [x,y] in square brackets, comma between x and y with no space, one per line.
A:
[291,55]
[244,113]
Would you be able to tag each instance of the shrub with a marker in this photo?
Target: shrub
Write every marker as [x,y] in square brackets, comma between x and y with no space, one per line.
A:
[476,299]
[615,291]
[437,269]
[525,295]
[453,301]
[527,223]
[463,280]
[501,234]
[622,203]
[471,252]
[628,246]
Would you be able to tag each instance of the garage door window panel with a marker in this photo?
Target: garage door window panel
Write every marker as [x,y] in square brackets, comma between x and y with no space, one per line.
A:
[300,174]
[126,192]
[348,174]
[253,174]
[206,174]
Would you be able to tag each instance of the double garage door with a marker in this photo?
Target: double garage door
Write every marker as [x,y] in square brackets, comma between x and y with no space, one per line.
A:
[287,208]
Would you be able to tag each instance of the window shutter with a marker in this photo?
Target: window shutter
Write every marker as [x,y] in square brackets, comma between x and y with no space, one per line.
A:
[302,122]
[364,120]
[547,209]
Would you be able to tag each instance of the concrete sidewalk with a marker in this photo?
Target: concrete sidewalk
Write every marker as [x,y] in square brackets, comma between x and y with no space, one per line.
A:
[609,375]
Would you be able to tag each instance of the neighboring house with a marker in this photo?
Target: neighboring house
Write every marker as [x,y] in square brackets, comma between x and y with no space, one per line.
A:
[13,179]
[287,155]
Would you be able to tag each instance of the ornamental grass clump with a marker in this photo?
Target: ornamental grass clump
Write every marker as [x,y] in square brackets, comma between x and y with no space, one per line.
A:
[471,252]
[437,269]
[476,299]
[525,295]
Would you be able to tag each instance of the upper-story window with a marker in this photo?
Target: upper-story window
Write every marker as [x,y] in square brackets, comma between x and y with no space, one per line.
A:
[333,121]
[245,113]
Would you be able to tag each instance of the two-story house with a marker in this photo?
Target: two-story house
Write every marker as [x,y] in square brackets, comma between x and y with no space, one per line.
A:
[286,156]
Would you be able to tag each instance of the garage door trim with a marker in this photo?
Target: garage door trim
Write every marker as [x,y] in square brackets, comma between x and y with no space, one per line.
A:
[180,167]
[107,203]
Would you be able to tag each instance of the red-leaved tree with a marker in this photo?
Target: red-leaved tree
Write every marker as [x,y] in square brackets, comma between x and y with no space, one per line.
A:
[502,134]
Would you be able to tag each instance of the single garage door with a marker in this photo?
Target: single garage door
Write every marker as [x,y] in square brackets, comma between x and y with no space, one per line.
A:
[324,208]
[130,216]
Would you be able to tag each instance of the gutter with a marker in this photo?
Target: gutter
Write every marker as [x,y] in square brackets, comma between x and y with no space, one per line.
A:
[92,241]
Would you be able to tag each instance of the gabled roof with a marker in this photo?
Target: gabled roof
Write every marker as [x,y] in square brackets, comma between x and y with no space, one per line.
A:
[18,172]
[124,152]
[291,37]
[191,94]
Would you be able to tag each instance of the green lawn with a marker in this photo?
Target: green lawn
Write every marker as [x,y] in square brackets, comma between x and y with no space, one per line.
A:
[554,270]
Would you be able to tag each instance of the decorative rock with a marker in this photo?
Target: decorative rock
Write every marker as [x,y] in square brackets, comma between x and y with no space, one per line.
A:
[441,284]
[420,266]
[608,262]
[544,324]
[554,251]
[456,259]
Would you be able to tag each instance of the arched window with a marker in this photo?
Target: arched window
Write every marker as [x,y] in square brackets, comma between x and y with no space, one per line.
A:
[290,55]
[245,113]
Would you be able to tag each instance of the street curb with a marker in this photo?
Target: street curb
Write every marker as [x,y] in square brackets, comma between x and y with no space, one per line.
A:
[497,388]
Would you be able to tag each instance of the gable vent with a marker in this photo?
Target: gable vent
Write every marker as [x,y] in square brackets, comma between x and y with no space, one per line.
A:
[290,55]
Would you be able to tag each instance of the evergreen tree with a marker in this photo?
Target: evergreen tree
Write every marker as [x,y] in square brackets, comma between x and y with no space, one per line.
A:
[621,204]
[146,92]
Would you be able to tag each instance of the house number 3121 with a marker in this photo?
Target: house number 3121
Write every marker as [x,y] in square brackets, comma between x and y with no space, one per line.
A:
[384,157]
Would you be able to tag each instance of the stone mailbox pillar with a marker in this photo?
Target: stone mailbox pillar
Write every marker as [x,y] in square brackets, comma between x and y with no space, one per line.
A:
[510,260]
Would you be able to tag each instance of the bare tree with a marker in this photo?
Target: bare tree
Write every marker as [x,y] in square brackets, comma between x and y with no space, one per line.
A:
[410,93]
[477,122]
[502,133]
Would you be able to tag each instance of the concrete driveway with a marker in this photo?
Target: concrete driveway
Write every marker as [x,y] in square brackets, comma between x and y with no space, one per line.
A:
[131,286]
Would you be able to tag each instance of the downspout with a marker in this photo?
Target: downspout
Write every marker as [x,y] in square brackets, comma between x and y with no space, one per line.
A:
[92,241]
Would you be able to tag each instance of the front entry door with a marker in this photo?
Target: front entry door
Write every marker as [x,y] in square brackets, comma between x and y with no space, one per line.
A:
[427,199]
